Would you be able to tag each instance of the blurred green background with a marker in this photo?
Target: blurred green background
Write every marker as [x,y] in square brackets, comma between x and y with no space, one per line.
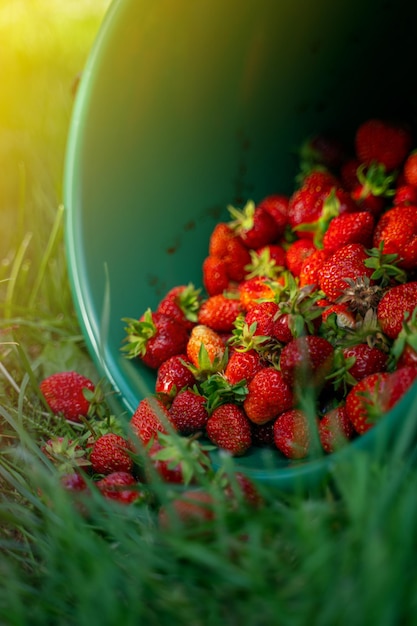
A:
[43,47]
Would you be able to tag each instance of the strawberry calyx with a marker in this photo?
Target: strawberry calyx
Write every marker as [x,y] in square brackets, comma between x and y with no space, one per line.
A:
[244,337]
[300,305]
[218,390]
[262,265]
[375,181]
[188,301]
[243,218]
[206,366]
[385,266]
[138,333]
[360,295]
[340,375]
[186,453]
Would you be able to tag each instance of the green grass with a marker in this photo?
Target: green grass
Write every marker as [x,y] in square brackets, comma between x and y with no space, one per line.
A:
[344,555]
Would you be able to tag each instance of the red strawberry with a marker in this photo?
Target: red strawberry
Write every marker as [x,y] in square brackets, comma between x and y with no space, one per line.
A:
[263,315]
[192,508]
[150,418]
[229,429]
[110,453]
[346,263]
[366,360]
[373,187]
[292,434]
[255,289]
[306,358]
[173,375]
[297,253]
[205,348]
[73,482]
[121,487]
[277,206]
[181,303]
[154,338]
[397,231]
[64,393]
[240,489]
[382,141]
[311,266]
[266,262]
[335,429]
[405,195]
[254,225]
[268,396]
[219,312]
[348,228]
[220,238]
[263,434]
[188,412]
[410,169]
[369,400]
[397,302]
[243,366]
[215,275]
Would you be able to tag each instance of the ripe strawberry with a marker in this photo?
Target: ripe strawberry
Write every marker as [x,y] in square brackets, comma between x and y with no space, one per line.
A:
[268,396]
[255,289]
[263,315]
[397,231]
[110,453]
[365,360]
[64,393]
[220,238]
[254,225]
[405,195]
[240,489]
[243,366]
[121,487]
[188,412]
[154,338]
[277,206]
[410,169]
[193,508]
[335,429]
[297,253]
[181,303]
[373,187]
[373,396]
[266,262]
[229,429]
[173,375]
[382,141]
[311,266]
[73,482]
[150,417]
[357,227]
[306,358]
[346,263]
[219,312]
[205,349]
[292,434]
[396,303]
[215,275]
[225,244]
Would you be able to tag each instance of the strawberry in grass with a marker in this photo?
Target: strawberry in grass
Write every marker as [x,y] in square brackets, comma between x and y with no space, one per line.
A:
[66,394]
[154,338]
[181,464]
[111,453]
[121,487]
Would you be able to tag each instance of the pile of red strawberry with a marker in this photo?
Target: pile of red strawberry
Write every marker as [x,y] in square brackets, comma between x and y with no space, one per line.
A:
[308,315]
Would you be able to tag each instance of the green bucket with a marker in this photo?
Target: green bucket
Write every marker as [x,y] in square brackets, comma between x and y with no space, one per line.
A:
[185,107]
